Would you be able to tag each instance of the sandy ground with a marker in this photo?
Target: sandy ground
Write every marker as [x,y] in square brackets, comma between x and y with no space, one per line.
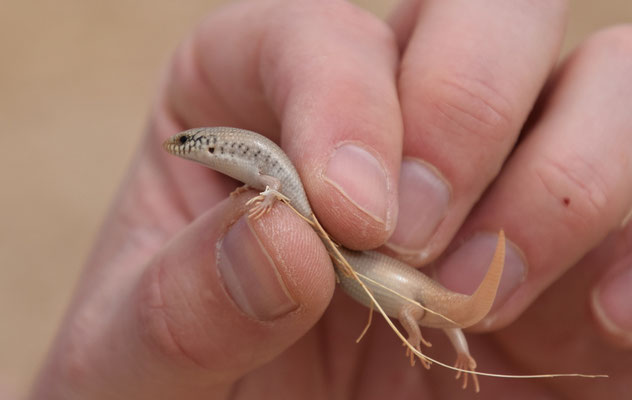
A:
[76,81]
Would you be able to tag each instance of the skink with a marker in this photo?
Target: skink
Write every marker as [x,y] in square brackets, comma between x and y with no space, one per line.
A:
[402,291]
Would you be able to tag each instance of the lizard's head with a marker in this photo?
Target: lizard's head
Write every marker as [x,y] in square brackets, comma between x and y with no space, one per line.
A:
[198,144]
[184,144]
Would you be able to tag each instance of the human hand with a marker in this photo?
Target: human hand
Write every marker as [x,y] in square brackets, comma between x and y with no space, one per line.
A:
[159,312]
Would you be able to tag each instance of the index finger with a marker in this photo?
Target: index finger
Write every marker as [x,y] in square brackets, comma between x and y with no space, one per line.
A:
[324,75]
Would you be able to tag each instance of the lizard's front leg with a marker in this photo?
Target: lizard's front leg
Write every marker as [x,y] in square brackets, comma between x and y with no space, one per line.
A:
[265,200]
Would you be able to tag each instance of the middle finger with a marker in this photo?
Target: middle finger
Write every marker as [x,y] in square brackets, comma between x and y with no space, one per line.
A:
[470,74]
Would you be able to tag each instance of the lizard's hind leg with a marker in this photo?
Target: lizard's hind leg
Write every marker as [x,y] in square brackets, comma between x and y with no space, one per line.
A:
[463,358]
[409,316]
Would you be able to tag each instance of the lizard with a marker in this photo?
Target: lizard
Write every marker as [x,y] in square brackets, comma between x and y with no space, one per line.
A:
[399,290]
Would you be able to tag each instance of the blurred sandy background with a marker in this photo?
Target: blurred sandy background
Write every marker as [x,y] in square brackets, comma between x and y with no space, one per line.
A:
[76,81]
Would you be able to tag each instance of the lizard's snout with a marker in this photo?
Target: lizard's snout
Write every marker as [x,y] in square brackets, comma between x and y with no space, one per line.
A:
[169,145]
[176,143]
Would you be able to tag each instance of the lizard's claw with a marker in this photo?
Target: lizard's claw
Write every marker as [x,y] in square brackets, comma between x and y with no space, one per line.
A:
[413,357]
[466,362]
[264,202]
[275,194]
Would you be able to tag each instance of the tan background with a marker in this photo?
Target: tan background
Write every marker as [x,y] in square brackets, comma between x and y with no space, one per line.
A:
[76,81]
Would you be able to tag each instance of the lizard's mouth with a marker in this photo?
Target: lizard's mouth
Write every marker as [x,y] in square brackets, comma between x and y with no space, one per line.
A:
[169,146]
[176,144]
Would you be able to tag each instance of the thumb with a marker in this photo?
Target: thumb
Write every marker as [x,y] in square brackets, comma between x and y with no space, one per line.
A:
[230,293]
[225,296]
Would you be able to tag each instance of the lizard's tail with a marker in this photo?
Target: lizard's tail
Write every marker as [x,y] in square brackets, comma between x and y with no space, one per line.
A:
[475,307]
[480,302]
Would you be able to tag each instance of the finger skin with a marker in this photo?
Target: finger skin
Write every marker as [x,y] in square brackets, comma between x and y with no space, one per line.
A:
[567,185]
[322,74]
[179,331]
[469,76]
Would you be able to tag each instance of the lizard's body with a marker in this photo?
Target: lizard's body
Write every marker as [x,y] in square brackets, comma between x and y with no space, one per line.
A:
[262,165]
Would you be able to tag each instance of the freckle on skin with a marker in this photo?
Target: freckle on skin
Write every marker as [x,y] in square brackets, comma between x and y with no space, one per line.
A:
[566,201]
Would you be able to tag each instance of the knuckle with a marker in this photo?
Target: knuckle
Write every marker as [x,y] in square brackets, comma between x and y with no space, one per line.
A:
[466,108]
[577,185]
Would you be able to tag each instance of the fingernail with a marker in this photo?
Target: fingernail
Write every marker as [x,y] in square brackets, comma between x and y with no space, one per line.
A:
[360,177]
[250,276]
[423,203]
[464,269]
[612,304]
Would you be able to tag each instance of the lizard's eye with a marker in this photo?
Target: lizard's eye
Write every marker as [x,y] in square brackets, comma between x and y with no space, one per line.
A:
[211,150]
[183,139]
